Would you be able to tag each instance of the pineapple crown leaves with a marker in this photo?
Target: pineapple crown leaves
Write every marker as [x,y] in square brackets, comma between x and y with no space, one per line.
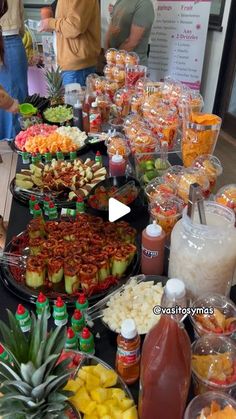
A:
[34,379]
[54,82]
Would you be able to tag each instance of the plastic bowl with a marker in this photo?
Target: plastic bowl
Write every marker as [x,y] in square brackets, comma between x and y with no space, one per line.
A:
[204,324]
[66,122]
[196,406]
[216,370]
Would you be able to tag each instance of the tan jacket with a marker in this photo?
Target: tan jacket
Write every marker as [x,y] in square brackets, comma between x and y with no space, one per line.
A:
[5,100]
[77,25]
[14,18]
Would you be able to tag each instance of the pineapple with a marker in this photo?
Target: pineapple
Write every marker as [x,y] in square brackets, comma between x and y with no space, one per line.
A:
[31,383]
[55,87]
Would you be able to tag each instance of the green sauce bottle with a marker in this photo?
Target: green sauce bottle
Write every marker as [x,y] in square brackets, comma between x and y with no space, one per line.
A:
[77,322]
[23,318]
[72,340]
[82,303]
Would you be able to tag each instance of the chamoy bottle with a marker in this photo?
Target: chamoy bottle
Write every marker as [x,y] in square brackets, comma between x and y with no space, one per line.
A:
[80,207]
[95,119]
[128,352]
[98,158]
[77,322]
[71,340]
[3,354]
[165,365]
[32,202]
[153,246]
[46,203]
[82,303]
[78,115]
[86,342]
[117,165]
[25,156]
[47,156]
[37,212]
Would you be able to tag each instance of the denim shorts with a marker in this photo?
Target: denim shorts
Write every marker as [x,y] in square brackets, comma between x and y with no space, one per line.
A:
[77,76]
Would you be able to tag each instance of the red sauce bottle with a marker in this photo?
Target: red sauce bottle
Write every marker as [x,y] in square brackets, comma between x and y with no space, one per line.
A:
[89,98]
[165,365]
[128,352]
[153,246]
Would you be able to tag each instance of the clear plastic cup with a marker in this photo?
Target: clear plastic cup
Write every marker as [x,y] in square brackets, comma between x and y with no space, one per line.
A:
[121,57]
[108,72]
[227,196]
[166,210]
[158,186]
[222,322]
[122,100]
[199,139]
[111,56]
[118,75]
[173,174]
[202,406]
[131,58]
[211,165]
[214,364]
[193,175]
[133,73]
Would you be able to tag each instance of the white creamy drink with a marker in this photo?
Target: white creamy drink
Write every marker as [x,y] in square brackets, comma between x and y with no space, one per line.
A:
[204,256]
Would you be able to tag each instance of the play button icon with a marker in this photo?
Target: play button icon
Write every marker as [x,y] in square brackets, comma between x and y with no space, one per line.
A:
[117,210]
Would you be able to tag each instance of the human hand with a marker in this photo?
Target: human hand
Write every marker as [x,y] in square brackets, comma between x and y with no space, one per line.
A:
[14,108]
[44,26]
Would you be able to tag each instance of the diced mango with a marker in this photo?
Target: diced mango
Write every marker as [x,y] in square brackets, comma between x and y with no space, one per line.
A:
[116,413]
[126,403]
[117,393]
[102,410]
[82,374]
[111,379]
[92,416]
[74,385]
[111,403]
[99,394]
[92,381]
[130,413]
[88,368]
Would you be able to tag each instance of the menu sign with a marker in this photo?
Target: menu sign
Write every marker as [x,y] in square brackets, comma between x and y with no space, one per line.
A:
[178,40]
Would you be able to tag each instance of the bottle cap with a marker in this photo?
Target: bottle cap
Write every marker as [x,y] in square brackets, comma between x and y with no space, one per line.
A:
[32,197]
[77,315]
[59,302]
[82,299]
[36,207]
[80,199]
[2,350]
[41,298]
[78,105]
[46,198]
[85,333]
[128,329]
[20,309]
[70,333]
[154,230]
[175,288]
[117,158]
[51,205]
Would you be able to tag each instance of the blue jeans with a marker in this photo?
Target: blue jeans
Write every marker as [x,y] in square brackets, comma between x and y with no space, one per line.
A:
[13,77]
[77,76]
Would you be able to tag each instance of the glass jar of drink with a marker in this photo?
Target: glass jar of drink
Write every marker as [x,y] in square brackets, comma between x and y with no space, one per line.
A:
[204,256]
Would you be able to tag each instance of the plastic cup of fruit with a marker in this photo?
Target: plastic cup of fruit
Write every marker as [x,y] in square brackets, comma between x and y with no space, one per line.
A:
[111,56]
[133,73]
[108,72]
[118,75]
[198,139]
[131,58]
[122,101]
[227,196]
[193,175]
[99,85]
[173,174]
[136,103]
[219,373]
[166,210]
[132,129]
[211,165]
[158,186]
[104,105]
[144,142]
[201,404]
[110,88]
[90,81]
[121,57]
[204,324]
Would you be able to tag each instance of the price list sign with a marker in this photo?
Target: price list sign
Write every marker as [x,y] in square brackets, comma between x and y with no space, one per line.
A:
[178,40]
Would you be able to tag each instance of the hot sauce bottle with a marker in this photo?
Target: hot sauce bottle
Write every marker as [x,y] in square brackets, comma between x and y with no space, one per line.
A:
[128,352]
[153,245]
[95,119]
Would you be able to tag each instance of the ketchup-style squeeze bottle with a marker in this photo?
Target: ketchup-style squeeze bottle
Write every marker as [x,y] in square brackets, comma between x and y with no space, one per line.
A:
[153,246]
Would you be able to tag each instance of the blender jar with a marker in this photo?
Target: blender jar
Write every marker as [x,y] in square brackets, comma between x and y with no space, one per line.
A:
[204,256]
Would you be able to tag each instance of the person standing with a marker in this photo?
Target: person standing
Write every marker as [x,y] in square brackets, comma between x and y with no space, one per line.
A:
[13,63]
[131,26]
[77,27]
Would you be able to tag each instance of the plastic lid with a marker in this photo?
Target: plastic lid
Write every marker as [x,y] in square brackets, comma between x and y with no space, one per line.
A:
[153,230]
[175,288]
[128,329]
[117,158]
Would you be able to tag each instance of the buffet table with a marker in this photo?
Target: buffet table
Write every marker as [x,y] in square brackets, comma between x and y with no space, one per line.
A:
[105,340]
